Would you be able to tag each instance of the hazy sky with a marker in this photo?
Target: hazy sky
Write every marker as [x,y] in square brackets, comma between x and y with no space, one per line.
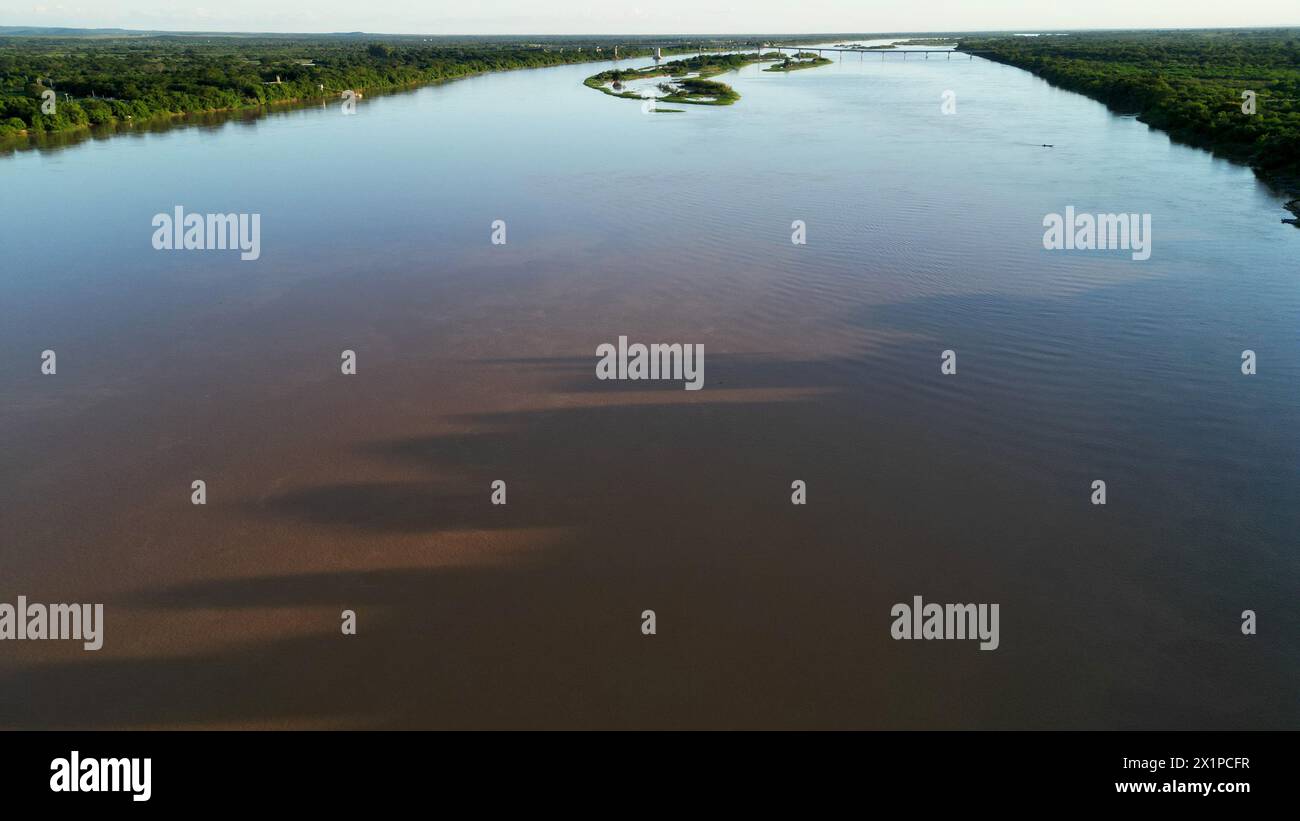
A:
[643,16]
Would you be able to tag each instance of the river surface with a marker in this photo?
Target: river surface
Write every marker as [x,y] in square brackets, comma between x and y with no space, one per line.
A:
[475,363]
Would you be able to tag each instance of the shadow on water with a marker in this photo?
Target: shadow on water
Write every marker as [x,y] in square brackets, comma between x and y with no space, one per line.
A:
[769,614]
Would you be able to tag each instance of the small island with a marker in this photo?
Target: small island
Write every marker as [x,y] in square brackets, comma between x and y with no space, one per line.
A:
[687,79]
[803,59]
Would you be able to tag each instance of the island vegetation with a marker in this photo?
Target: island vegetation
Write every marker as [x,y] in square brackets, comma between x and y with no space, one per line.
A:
[700,92]
[1236,93]
[803,59]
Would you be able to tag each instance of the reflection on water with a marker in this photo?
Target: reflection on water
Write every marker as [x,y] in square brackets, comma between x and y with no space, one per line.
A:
[476,363]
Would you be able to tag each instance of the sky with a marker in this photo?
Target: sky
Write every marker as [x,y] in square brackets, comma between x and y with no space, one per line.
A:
[644,16]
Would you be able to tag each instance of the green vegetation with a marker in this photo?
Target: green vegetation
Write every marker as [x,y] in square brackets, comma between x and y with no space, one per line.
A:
[702,92]
[804,59]
[1188,84]
[129,78]
[598,81]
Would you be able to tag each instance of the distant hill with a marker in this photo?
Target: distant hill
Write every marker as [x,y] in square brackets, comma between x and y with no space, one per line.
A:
[46,31]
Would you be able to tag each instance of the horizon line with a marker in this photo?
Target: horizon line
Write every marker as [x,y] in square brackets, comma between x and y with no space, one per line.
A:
[1025,30]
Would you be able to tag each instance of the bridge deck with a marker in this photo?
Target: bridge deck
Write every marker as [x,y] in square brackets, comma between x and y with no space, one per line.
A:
[779,47]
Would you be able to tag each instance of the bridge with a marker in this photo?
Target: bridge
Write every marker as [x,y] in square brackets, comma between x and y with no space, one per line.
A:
[780,48]
[658,51]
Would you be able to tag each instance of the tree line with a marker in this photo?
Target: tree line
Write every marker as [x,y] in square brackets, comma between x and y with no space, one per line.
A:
[106,80]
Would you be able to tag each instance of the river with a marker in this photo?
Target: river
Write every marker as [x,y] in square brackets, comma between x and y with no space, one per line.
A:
[370,492]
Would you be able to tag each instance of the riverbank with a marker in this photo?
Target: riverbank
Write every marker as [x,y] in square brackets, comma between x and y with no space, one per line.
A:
[1235,94]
